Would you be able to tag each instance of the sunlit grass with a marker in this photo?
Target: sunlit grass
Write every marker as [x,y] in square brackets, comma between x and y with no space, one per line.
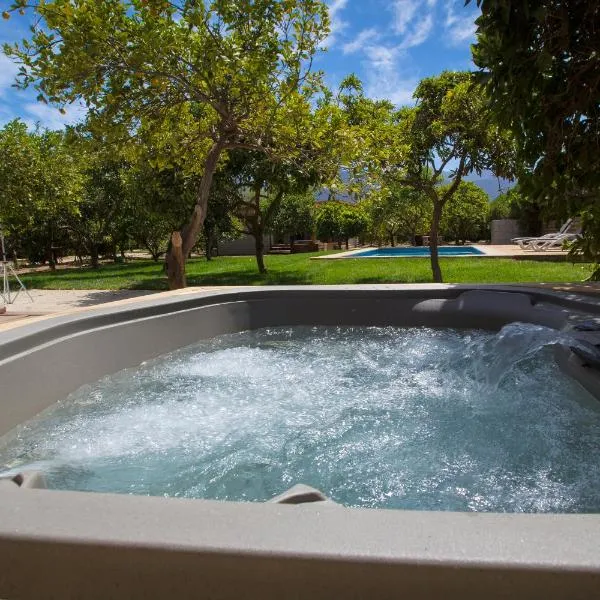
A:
[299,269]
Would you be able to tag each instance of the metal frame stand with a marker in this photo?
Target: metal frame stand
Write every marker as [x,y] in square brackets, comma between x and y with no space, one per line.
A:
[8,297]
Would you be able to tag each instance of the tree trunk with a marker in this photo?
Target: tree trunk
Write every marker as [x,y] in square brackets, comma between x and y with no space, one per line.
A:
[259,247]
[175,257]
[433,241]
[94,256]
[176,262]
[51,261]
[209,243]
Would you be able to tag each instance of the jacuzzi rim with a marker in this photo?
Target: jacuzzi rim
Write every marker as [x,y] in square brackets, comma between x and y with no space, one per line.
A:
[552,544]
[29,334]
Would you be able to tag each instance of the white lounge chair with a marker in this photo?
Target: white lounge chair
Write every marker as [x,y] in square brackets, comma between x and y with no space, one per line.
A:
[555,243]
[531,243]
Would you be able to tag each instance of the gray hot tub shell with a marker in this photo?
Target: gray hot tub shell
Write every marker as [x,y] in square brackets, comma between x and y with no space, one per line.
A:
[73,544]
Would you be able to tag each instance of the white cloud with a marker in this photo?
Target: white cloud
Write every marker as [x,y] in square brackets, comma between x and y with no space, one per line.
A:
[413,19]
[8,70]
[336,6]
[419,34]
[50,117]
[383,75]
[389,85]
[459,29]
[336,23]
[404,12]
[381,57]
[360,41]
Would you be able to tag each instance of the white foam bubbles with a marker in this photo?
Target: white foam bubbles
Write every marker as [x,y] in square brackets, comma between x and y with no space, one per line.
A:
[375,417]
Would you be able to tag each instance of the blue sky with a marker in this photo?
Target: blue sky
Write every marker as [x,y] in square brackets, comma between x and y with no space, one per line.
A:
[389,44]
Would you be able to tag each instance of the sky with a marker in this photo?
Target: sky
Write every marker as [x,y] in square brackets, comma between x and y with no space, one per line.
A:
[389,44]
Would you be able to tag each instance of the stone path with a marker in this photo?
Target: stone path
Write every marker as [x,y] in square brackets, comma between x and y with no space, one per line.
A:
[52,301]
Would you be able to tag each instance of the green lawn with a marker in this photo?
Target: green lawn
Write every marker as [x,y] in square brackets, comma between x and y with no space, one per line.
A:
[299,269]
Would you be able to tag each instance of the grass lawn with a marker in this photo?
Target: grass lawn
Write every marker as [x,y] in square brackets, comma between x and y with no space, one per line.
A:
[299,269]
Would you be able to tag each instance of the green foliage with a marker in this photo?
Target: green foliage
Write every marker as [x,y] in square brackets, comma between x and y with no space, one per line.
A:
[504,206]
[158,202]
[540,62]
[466,214]
[398,213]
[40,186]
[588,246]
[514,204]
[329,220]
[295,215]
[195,79]
[340,221]
[254,187]
[102,209]
[449,129]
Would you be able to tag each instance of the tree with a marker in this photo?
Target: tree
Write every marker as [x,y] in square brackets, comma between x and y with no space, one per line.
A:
[296,214]
[445,137]
[340,221]
[257,186]
[354,221]
[466,214]
[102,207]
[540,63]
[201,77]
[504,206]
[329,220]
[399,212]
[40,185]
[159,200]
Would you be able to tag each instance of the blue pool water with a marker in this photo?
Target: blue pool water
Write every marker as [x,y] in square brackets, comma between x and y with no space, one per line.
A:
[419,251]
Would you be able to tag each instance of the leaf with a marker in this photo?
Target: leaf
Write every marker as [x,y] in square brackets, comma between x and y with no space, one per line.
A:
[5,16]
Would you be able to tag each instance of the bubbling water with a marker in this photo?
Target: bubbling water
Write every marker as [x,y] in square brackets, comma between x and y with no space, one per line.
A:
[411,418]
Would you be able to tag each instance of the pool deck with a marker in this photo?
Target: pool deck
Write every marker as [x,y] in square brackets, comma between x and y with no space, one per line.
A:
[487,251]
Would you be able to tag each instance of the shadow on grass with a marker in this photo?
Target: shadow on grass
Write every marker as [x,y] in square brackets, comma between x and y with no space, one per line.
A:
[393,280]
[88,274]
[244,277]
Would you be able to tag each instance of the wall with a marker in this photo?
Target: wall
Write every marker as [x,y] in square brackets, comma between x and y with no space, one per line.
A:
[243,246]
[504,230]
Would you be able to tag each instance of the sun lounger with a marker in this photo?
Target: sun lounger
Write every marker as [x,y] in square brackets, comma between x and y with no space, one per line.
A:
[556,243]
[548,241]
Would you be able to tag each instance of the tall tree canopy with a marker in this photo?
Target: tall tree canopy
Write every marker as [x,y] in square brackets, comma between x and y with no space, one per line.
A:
[447,135]
[466,214]
[40,185]
[398,212]
[540,61]
[201,77]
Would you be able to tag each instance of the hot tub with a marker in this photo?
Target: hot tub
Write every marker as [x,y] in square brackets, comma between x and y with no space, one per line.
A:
[69,544]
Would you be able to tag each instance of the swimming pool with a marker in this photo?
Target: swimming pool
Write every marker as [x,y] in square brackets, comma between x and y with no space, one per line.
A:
[418,251]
